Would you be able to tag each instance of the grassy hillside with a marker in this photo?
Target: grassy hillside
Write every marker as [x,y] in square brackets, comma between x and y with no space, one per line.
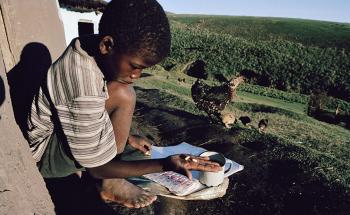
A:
[278,62]
[307,32]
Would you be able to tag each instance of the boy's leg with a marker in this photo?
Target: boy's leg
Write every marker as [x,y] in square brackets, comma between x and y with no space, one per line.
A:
[120,190]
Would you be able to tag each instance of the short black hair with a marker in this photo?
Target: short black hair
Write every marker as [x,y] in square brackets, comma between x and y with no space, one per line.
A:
[139,27]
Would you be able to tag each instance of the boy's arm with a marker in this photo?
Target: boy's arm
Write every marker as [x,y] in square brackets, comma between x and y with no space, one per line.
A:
[120,107]
[178,163]
[123,169]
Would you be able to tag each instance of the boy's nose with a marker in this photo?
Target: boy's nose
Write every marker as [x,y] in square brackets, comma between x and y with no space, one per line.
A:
[136,74]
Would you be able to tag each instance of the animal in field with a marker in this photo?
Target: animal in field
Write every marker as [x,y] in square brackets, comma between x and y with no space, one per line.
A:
[338,117]
[326,116]
[214,99]
[245,120]
[342,117]
[228,119]
[262,125]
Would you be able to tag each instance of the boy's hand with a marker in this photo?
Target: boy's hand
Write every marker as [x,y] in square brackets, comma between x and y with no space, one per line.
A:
[184,163]
[140,143]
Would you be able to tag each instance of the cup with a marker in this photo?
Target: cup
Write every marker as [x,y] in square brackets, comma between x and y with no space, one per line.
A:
[214,178]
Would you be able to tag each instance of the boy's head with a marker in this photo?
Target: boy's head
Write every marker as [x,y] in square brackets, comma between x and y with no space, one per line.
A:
[137,27]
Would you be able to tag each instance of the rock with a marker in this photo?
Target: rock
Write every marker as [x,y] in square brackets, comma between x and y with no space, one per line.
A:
[196,69]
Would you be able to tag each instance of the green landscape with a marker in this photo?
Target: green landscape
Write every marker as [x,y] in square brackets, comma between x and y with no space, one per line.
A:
[299,165]
[299,61]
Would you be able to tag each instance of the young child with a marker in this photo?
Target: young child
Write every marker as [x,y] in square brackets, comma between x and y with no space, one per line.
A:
[82,114]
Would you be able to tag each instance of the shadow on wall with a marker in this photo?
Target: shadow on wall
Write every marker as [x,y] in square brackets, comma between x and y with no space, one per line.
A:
[25,79]
[2,92]
[69,195]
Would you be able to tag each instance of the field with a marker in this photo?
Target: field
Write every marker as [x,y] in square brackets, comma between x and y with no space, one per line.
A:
[302,64]
[307,32]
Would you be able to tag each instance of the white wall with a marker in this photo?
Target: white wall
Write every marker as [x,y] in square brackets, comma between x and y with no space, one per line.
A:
[70,21]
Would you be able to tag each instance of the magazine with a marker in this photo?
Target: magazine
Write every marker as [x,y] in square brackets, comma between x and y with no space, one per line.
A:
[176,183]
[179,184]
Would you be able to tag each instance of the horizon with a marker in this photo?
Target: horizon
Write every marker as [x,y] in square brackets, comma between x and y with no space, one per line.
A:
[323,10]
[252,16]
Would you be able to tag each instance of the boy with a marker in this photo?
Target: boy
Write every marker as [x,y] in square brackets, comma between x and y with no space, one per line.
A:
[82,114]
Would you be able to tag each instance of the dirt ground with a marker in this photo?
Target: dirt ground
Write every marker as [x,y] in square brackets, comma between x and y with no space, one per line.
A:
[271,183]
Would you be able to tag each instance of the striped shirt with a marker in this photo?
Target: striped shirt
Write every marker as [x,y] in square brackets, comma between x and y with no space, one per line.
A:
[78,92]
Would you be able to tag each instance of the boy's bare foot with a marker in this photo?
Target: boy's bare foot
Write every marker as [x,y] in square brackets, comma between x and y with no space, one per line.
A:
[123,192]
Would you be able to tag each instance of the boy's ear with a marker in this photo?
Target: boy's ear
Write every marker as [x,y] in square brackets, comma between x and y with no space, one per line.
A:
[106,45]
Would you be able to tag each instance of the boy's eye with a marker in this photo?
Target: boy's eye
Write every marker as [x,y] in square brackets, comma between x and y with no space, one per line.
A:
[134,66]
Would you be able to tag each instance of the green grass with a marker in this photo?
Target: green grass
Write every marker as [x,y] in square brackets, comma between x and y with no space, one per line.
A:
[252,98]
[307,32]
[183,90]
[275,63]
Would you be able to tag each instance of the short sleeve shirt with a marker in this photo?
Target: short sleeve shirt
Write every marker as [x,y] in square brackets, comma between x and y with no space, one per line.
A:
[78,92]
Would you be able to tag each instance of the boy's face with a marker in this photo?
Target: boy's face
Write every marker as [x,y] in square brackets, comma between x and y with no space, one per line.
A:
[126,68]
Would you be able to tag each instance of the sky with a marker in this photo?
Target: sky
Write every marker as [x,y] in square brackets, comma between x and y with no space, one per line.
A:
[329,10]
